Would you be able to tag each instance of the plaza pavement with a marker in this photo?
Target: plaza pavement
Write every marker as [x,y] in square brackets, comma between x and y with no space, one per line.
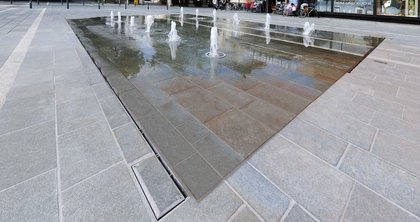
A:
[67,144]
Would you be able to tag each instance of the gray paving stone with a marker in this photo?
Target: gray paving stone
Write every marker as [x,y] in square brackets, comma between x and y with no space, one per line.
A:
[316,140]
[20,113]
[21,92]
[102,90]
[398,127]
[391,108]
[108,196]
[398,151]
[27,153]
[168,141]
[220,156]
[32,200]
[319,188]
[193,130]
[175,113]
[384,178]
[340,125]
[160,188]
[119,83]
[78,113]
[70,91]
[86,151]
[131,142]
[206,210]
[297,214]
[412,115]
[365,205]
[412,95]
[260,193]
[114,111]
[245,215]
[197,175]
[136,104]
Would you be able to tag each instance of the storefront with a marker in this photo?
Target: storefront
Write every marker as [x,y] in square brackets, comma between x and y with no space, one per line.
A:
[380,10]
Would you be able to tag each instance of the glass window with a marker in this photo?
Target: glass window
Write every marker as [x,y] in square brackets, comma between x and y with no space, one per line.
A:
[323,5]
[354,6]
[397,7]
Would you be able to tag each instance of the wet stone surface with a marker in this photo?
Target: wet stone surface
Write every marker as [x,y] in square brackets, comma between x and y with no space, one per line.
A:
[205,116]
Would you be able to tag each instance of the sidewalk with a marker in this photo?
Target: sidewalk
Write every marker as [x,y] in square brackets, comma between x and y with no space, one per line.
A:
[66,143]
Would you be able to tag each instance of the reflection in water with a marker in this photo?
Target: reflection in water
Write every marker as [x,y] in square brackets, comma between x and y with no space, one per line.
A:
[173,46]
[308,41]
[196,24]
[213,67]
[267,37]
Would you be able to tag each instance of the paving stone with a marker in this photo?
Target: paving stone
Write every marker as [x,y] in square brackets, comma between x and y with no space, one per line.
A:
[154,94]
[27,153]
[197,175]
[119,83]
[232,95]
[268,114]
[32,200]
[319,188]
[260,193]
[69,91]
[136,104]
[408,94]
[391,108]
[193,130]
[174,85]
[108,196]
[102,90]
[239,131]
[218,154]
[131,142]
[365,84]
[365,205]
[245,215]
[397,127]
[78,113]
[167,140]
[297,214]
[412,115]
[175,113]
[114,112]
[21,92]
[21,113]
[384,178]
[316,140]
[205,210]
[86,151]
[160,188]
[340,125]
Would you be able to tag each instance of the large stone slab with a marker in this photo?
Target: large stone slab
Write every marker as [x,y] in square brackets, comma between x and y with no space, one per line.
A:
[114,112]
[131,142]
[297,214]
[27,153]
[108,196]
[245,215]
[384,178]
[319,188]
[260,193]
[398,127]
[32,200]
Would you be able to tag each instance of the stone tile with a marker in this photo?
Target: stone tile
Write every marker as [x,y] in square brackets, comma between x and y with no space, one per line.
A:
[78,113]
[193,130]
[206,210]
[119,83]
[297,214]
[242,83]
[174,85]
[260,193]
[239,131]
[136,104]
[412,115]
[411,95]
[232,95]
[159,187]
[365,205]
[69,91]
[391,108]
[384,178]
[201,104]
[245,215]
[102,90]
[268,114]
[94,76]
[108,196]
[319,188]
[86,151]
[340,125]
[27,153]
[21,113]
[131,142]
[175,113]
[32,200]
[114,112]
[279,97]
[21,92]
[197,175]
[365,84]
[316,140]
[397,127]
[154,95]
[220,156]
[169,142]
